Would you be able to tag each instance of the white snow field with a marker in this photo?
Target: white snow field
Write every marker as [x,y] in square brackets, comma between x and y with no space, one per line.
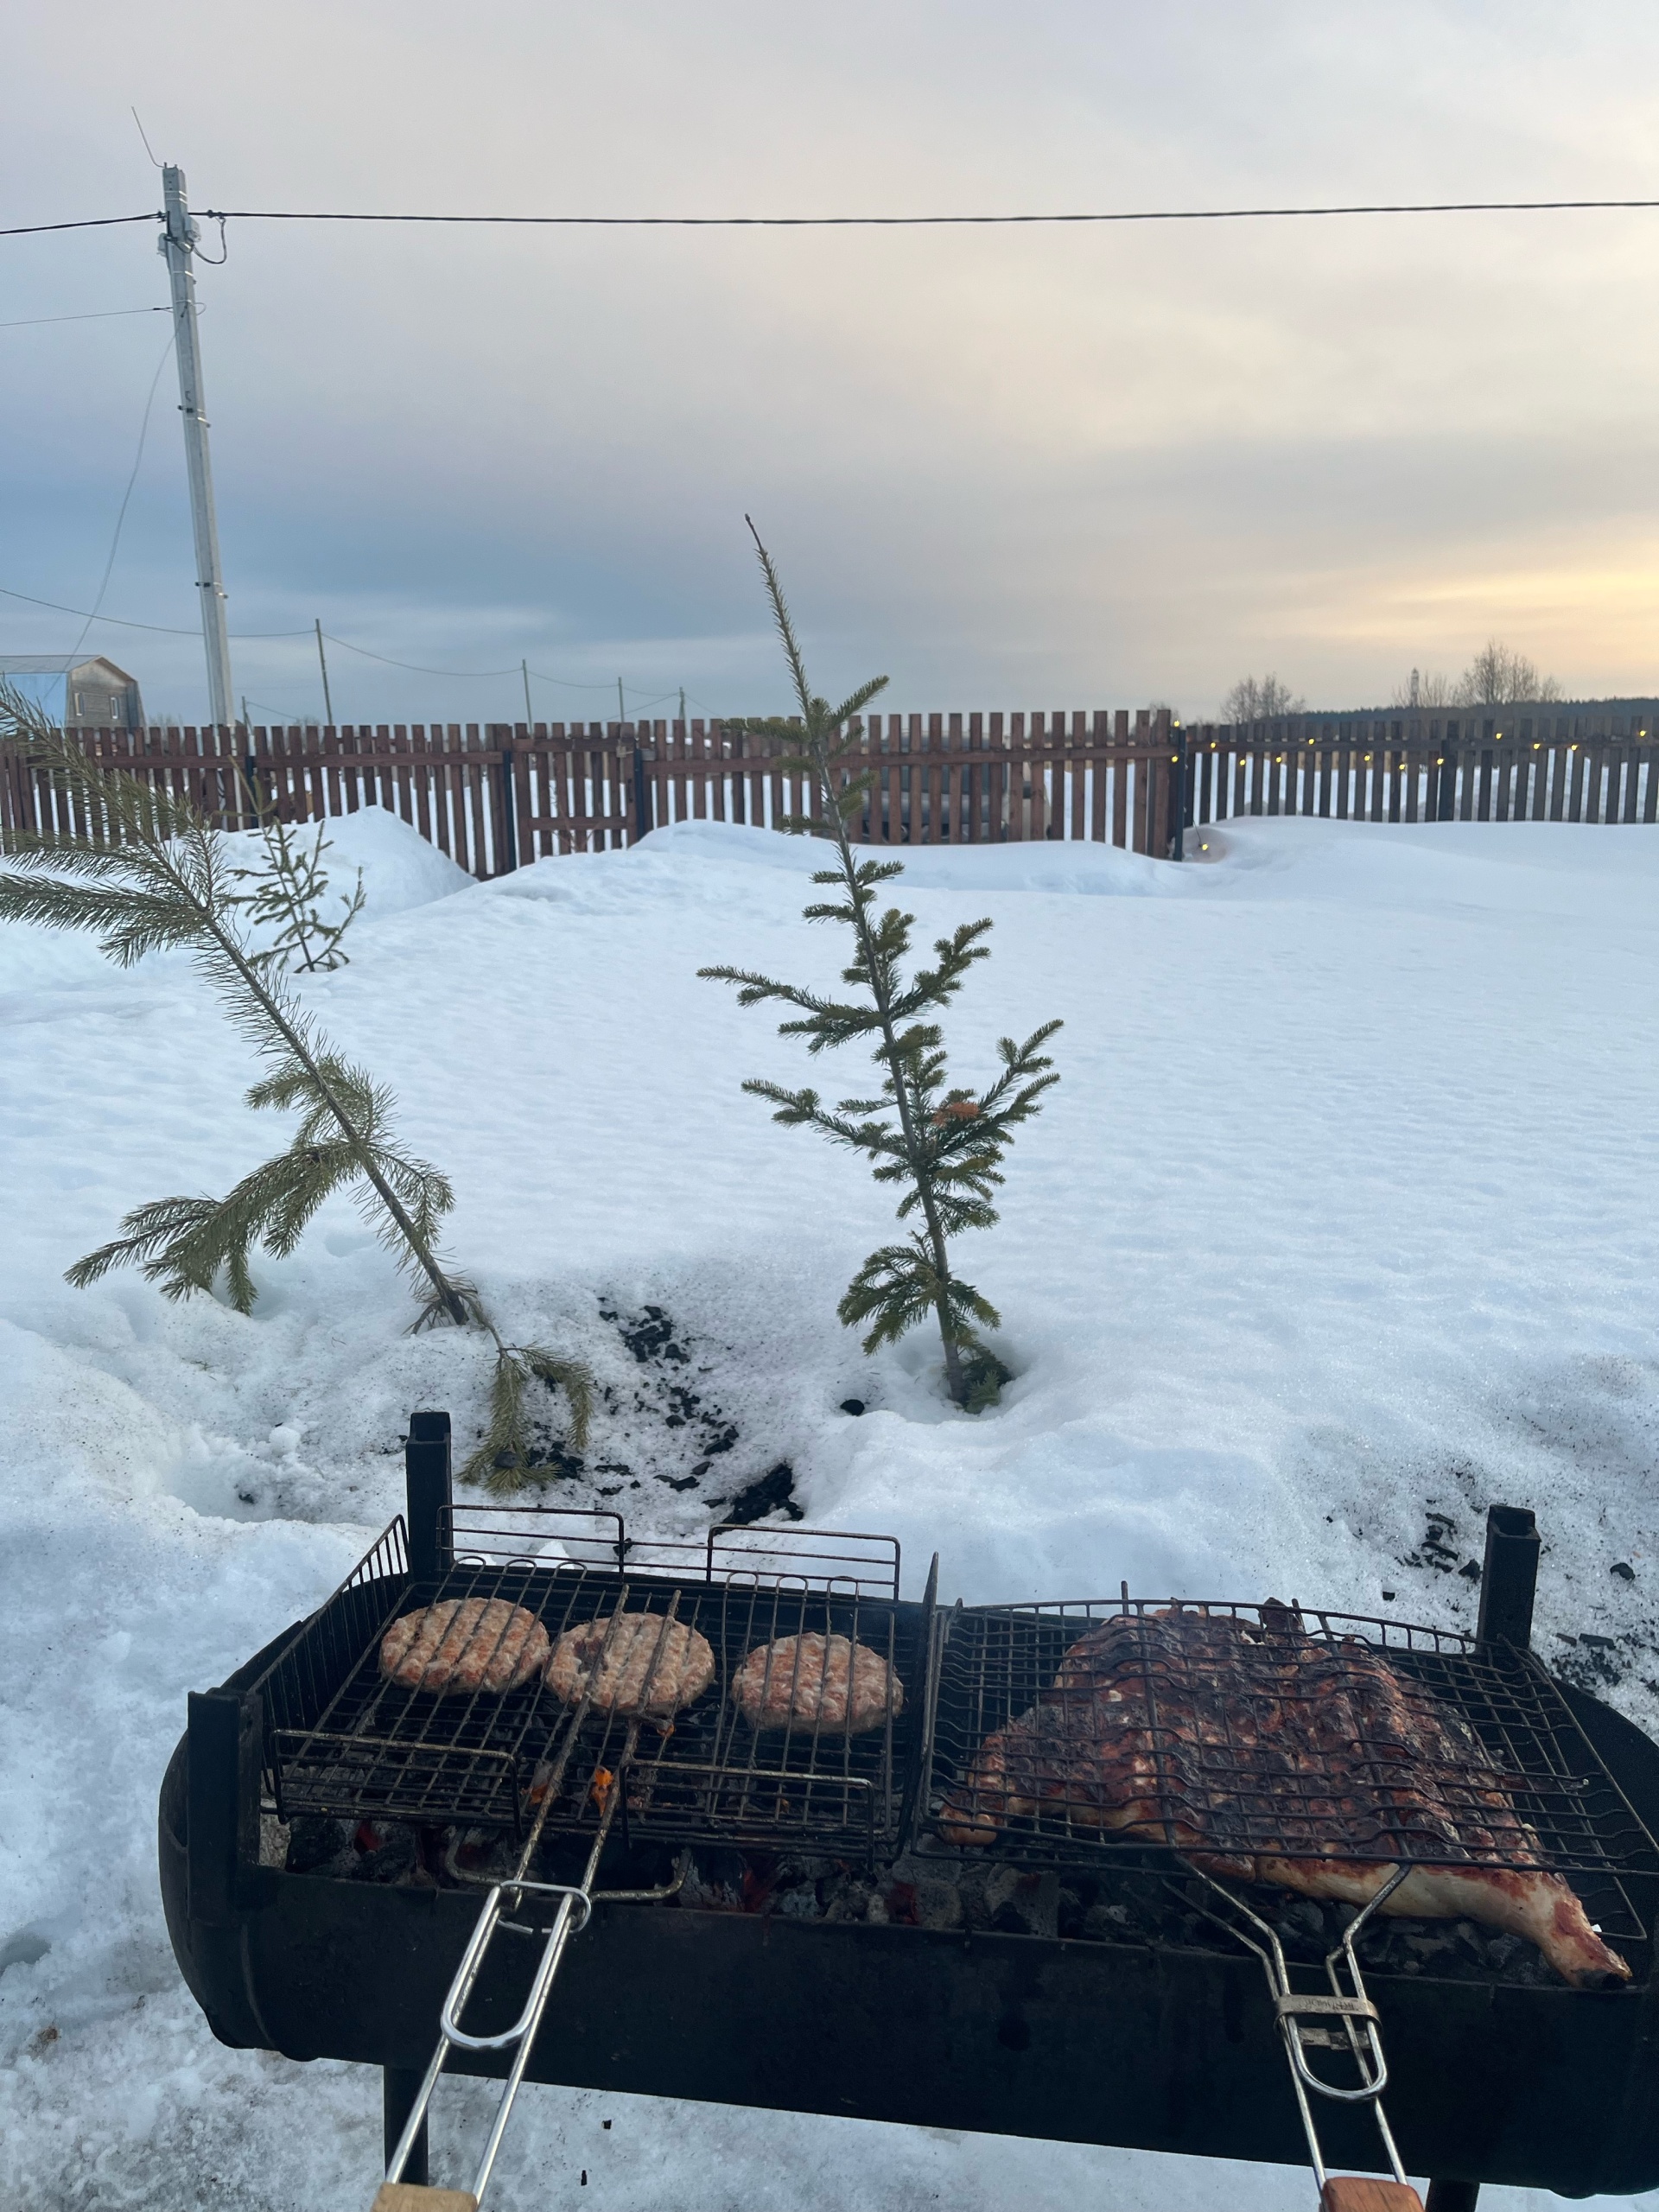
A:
[1345,1216]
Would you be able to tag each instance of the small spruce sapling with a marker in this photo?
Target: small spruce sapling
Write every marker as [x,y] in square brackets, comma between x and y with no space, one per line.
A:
[146,871]
[942,1144]
[289,888]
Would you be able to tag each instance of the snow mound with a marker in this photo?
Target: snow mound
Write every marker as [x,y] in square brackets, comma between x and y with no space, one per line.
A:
[400,868]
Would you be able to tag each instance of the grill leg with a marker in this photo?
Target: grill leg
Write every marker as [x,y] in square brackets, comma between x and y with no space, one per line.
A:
[401,2085]
[1452,2196]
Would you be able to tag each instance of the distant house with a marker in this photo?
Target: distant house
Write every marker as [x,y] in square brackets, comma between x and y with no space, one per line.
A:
[78,694]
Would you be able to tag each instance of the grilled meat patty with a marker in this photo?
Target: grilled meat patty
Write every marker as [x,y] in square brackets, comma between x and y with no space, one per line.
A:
[643,1666]
[1267,1755]
[826,1683]
[464,1644]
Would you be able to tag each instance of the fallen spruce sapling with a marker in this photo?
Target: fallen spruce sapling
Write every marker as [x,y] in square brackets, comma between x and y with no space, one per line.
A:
[145,870]
[942,1144]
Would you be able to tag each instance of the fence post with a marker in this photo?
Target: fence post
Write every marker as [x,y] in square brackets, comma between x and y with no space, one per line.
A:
[507,846]
[1181,797]
[642,797]
[1445,795]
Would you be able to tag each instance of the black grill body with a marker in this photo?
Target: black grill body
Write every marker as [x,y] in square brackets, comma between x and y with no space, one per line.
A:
[1157,2048]
[1161,2046]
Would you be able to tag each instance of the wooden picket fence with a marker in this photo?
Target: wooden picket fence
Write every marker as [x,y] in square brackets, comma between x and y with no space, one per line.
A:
[1521,764]
[498,795]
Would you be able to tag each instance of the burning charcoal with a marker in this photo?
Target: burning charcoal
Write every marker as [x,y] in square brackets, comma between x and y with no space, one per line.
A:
[1108,1924]
[481,1851]
[1020,1903]
[850,1900]
[386,1852]
[1300,1922]
[924,1903]
[1471,1940]
[713,1882]
[313,1844]
[921,1892]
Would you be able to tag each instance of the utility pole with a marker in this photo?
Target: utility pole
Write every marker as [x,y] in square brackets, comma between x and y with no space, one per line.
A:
[530,717]
[178,243]
[323,663]
[621,711]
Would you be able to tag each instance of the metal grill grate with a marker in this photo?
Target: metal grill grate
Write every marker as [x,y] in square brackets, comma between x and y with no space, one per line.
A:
[343,1739]
[1062,1732]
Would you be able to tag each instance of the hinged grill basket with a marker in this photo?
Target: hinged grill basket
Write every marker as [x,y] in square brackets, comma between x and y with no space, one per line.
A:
[1073,1733]
[341,1738]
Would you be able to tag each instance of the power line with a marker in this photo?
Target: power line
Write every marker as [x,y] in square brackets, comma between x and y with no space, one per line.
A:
[469,674]
[172,630]
[101,315]
[918,222]
[91,223]
[883,222]
[566,683]
[137,459]
[162,629]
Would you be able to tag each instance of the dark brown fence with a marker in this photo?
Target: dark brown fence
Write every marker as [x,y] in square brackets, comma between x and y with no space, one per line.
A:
[498,795]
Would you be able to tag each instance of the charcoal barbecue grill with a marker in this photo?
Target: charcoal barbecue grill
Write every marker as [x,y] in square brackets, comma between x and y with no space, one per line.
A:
[1167,2040]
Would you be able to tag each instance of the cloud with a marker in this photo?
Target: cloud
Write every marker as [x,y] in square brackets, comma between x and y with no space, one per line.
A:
[1009,467]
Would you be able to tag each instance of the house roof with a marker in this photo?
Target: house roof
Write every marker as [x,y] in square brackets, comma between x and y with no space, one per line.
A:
[59,665]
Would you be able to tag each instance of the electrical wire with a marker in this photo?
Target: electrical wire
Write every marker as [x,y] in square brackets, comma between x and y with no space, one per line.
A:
[161,629]
[569,684]
[419,668]
[476,675]
[920,222]
[877,222]
[90,223]
[138,459]
[101,315]
[244,637]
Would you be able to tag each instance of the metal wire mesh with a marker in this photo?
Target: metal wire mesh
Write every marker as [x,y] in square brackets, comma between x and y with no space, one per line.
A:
[1061,1731]
[344,1739]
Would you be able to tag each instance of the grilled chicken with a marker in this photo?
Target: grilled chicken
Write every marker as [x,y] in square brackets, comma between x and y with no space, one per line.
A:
[1267,1755]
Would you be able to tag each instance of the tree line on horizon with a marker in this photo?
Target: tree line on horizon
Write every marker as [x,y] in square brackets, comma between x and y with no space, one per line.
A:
[1498,676]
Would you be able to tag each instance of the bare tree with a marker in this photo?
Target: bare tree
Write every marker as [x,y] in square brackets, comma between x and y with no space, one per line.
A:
[1497,676]
[1259,699]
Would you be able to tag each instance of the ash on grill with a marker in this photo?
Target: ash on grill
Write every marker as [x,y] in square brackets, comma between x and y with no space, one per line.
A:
[1143,1907]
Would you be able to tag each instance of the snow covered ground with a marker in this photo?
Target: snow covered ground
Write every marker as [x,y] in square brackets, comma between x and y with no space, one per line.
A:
[1341,1224]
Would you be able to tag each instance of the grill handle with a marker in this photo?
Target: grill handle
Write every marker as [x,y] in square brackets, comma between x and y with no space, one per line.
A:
[430,1493]
[1508,1578]
[222,1778]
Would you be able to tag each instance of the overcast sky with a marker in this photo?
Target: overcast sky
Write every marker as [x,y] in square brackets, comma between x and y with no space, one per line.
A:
[1024,467]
